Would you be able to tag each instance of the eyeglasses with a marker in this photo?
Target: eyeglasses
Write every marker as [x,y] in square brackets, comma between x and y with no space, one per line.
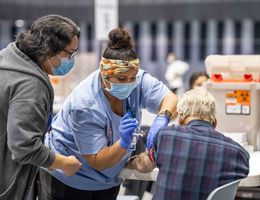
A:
[71,54]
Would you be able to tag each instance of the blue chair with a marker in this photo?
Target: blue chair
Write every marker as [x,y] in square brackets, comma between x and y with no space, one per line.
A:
[227,191]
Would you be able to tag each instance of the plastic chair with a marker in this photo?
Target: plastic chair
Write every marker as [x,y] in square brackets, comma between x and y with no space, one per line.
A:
[227,191]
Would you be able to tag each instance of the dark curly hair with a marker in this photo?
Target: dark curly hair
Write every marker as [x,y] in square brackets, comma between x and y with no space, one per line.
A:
[120,45]
[47,36]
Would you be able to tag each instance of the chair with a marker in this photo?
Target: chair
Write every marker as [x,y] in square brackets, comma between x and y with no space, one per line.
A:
[227,191]
[127,197]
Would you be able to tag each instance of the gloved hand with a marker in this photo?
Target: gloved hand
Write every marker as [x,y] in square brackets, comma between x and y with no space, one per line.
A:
[126,128]
[159,122]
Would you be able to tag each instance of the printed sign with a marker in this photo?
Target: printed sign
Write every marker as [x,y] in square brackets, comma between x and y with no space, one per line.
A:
[238,102]
[106,18]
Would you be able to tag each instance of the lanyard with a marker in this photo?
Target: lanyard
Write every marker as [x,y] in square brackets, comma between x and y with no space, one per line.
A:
[109,131]
[129,109]
[48,128]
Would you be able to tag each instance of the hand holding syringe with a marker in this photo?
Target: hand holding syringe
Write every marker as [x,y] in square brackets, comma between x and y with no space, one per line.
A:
[136,134]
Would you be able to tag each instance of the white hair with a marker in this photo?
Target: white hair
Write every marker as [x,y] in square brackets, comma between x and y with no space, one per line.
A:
[197,103]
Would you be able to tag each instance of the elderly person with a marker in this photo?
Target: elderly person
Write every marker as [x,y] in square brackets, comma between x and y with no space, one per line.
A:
[193,158]
[26,103]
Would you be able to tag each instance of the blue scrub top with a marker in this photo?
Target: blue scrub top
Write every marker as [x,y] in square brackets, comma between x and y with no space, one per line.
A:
[86,124]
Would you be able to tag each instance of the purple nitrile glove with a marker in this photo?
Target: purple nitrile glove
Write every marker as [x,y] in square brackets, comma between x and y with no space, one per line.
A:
[126,128]
[159,122]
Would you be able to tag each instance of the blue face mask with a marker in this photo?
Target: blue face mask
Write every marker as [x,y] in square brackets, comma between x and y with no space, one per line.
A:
[64,68]
[121,90]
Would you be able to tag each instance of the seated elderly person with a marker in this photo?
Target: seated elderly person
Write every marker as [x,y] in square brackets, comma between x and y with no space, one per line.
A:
[193,158]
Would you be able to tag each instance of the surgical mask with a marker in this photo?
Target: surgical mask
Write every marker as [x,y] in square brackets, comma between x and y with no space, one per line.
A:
[64,68]
[121,90]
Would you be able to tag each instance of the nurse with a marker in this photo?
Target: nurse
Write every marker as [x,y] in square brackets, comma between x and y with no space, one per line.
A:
[98,119]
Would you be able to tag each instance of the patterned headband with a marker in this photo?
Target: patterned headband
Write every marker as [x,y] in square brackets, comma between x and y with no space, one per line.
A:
[110,67]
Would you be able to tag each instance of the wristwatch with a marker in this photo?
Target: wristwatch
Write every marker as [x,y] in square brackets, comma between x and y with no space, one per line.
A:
[166,113]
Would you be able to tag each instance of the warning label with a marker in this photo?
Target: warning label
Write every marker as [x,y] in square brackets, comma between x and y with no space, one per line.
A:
[238,102]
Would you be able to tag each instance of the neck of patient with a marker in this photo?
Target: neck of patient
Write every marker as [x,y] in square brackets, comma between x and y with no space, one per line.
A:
[190,118]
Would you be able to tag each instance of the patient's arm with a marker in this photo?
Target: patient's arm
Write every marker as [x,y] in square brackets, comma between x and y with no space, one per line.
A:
[141,163]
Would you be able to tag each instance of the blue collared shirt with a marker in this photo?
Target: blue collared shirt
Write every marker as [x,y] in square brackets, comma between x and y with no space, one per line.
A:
[86,124]
[195,159]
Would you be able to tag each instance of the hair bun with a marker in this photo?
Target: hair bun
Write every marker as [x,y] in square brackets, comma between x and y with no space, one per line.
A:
[120,38]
